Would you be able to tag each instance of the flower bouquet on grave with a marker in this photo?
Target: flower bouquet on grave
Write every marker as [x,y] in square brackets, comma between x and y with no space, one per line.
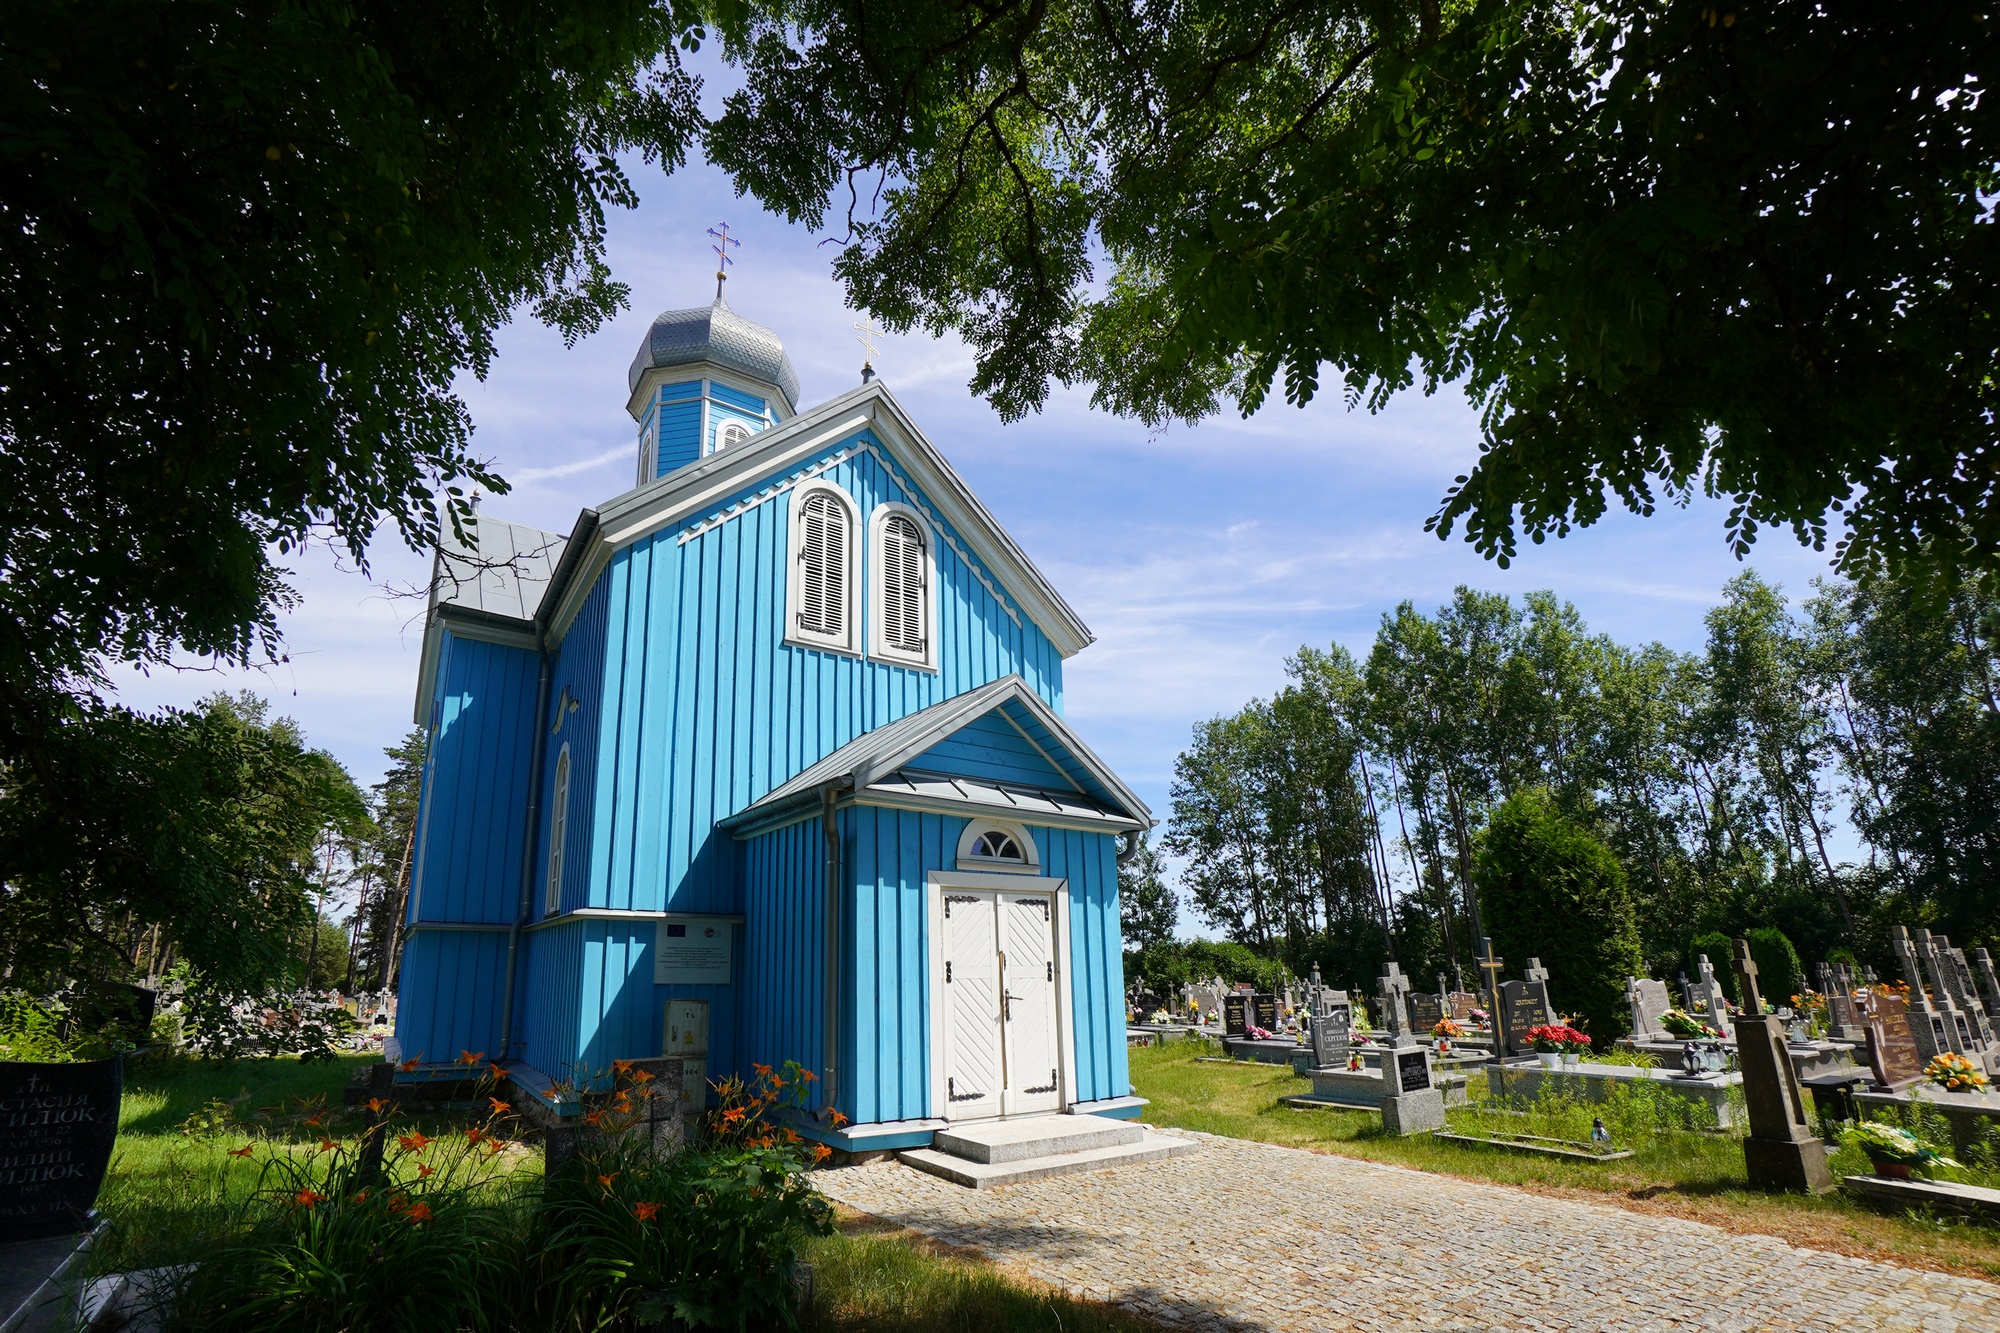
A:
[1257,1034]
[1480,1018]
[1575,1045]
[1443,1031]
[1894,1152]
[1687,1027]
[1954,1073]
[1547,1039]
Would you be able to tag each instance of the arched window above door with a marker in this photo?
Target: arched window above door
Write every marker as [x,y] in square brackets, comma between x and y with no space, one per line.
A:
[992,845]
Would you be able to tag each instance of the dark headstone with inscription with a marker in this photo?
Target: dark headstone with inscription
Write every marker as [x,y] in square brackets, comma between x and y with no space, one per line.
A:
[1462,1004]
[1525,1004]
[1413,1070]
[1425,1011]
[1236,1015]
[57,1124]
[1892,1046]
[1264,1010]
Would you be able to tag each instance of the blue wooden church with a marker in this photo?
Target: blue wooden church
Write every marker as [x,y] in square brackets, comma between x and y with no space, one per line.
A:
[777,731]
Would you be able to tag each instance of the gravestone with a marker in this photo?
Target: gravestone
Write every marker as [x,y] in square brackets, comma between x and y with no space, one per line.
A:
[1523,1005]
[1264,1012]
[1649,1000]
[1709,1000]
[1964,994]
[1462,1003]
[1960,1035]
[1236,1015]
[1843,1017]
[1892,1050]
[1781,1151]
[1927,1025]
[1331,1036]
[1489,964]
[1411,1101]
[57,1125]
[1425,1011]
[1989,984]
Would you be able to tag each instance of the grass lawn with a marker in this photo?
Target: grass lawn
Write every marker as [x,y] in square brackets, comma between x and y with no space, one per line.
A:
[173,1183]
[1680,1173]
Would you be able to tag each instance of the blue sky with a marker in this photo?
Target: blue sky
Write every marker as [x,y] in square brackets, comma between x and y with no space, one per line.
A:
[1200,557]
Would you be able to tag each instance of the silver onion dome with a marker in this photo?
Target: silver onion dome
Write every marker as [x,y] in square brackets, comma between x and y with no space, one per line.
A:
[717,334]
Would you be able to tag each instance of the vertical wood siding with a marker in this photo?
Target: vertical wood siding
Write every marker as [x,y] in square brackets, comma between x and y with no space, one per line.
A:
[1089,861]
[579,669]
[781,994]
[448,996]
[553,973]
[886,1042]
[469,868]
[680,426]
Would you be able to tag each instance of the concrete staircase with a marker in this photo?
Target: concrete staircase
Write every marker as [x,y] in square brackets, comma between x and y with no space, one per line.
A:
[1005,1152]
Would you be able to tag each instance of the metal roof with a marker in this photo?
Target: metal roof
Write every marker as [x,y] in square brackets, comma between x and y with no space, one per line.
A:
[502,570]
[717,334]
[877,756]
[1033,804]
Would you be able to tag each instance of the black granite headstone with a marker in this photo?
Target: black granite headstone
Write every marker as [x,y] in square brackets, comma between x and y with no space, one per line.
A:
[1425,1011]
[1235,1015]
[1525,1005]
[1265,1009]
[57,1124]
[1413,1070]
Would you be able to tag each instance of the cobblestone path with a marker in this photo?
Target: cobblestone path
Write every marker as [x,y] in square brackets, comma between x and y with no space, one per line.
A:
[1250,1236]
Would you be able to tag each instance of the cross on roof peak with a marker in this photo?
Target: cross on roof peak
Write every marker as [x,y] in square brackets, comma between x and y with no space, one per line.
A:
[723,243]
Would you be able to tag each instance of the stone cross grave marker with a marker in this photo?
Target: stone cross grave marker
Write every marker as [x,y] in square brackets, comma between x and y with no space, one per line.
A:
[1781,1151]
[1843,1020]
[1710,1002]
[1489,983]
[1959,1031]
[1892,1048]
[1964,995]
[1649,1000]
[1989,984]
[1394,990]
[1927,1025]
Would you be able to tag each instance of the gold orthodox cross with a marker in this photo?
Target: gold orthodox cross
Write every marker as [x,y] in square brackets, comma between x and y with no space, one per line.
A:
[723,242]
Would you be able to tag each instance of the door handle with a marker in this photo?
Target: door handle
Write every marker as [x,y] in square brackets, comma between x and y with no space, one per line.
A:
[1007,1004]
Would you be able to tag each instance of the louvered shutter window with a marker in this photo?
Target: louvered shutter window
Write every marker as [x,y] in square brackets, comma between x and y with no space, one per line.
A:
[558,833]
[902,585]
[823,566]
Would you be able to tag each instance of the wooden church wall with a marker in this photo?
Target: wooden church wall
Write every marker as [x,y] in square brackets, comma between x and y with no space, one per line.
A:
[781,1013]
[578,673]
[1089,861]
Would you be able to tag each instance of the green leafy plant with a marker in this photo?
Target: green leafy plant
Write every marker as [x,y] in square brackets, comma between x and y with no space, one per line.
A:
[30,1030]
[708,1235]
[1890,1143]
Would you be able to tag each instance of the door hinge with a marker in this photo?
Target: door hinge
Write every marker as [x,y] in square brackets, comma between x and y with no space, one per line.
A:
[947,971]
[1052,970]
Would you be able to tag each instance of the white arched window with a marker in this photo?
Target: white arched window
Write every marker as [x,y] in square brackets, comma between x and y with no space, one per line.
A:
[558,834]
[730,434]
[993,846]
[902,567]
[821,600]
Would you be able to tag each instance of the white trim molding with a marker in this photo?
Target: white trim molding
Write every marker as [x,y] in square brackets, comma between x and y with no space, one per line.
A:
[879,645]
[848,639]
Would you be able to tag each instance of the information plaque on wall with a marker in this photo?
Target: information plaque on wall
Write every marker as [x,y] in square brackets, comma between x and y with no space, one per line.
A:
[693,951]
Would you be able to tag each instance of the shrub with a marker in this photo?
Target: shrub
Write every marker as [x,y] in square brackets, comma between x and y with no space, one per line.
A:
[225,1026]
[1780,976]
[1168,965]
[1551,889]
[708,1236]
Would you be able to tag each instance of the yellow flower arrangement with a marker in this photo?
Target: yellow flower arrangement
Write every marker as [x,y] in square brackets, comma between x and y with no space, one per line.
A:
[1954,1073]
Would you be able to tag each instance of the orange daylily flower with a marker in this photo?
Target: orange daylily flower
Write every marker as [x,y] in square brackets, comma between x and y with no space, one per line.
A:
[621,1066]
[474,1135]
[326,1144]
[414,1142]
[494,1147]
[420,1213]
[644,1211]
[838,1120]
[605,1181]
[423,1170]
[499,1107]
[362,1197]
[307,1198]
[407,1065]
[470,1058]
[496,1072]
[376,1104]
[244,1151]
[808,1075]
[732,1115]
[594,1119]
[641,1076]
[761,1069]
[821,1152]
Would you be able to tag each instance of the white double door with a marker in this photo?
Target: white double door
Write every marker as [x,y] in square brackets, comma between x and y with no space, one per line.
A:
[1002,1047]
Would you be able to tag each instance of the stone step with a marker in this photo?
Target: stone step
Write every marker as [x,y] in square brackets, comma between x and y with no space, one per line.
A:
[993,1141]
[985,1175]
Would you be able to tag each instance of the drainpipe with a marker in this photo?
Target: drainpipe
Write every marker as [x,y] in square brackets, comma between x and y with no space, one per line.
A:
[537,752]
[1133,842]
[828,795]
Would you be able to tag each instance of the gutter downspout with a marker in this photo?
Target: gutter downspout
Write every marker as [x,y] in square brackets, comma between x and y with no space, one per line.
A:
[829,795]
[1134,840]
[537,753]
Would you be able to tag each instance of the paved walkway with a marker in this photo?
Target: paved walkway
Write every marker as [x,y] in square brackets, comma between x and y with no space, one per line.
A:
[1245,1236]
